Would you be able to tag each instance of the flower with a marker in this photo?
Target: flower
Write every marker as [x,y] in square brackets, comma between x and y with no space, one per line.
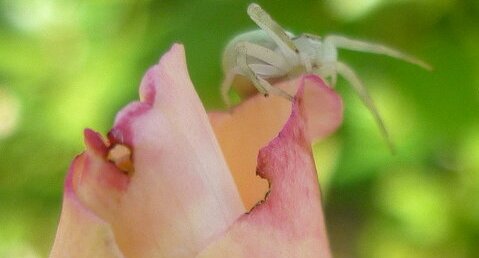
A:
[173,181]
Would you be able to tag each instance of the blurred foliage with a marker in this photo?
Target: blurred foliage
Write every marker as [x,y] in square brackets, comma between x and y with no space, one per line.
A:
[67,65]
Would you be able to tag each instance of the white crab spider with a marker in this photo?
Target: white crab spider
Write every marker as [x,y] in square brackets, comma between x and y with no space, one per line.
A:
[272,53]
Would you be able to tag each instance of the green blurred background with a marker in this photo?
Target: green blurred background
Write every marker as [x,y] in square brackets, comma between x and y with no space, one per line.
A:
[67,65]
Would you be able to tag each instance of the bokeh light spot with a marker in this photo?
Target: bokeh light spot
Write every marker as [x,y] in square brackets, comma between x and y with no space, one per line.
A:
[9,113]
[416,201]
[352,9]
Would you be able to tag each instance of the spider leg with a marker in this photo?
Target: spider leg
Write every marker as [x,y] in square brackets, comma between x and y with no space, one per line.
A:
[346,72]
[266,55]
[226,86]
[306,62]
[274,66]
[310,36]
[274,30]
[358,45]
[328,72]
[266,71]
[334,78]
[263,86]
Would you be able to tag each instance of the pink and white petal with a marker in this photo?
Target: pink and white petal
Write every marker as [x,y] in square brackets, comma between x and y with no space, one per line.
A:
[290,222]
[80,232]
[256,121]
[179,194]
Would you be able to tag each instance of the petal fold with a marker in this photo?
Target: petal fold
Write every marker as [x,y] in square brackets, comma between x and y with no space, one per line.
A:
[81,233]
[289,222]
[170,192]
[247,128]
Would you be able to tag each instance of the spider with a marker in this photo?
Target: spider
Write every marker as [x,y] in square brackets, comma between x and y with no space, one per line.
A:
[272,53]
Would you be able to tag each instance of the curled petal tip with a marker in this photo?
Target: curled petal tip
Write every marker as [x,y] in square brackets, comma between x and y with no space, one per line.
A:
[94,142]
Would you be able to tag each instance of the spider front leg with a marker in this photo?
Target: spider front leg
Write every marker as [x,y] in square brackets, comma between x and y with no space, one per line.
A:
[274,30]
[362,46]
[263,86]
[350,76]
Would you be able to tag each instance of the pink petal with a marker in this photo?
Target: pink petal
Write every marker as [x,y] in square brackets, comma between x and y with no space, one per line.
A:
[250,126]
[289,223]
[81,233]
[159,187]
[178,195]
